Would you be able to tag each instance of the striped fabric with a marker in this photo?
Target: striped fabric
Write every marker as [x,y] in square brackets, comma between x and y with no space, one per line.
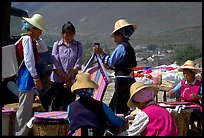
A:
[54,115]
[179,103]
[98,75]
[7,110]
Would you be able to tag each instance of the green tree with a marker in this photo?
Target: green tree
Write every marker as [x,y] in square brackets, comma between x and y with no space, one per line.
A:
[187,51]
[152,47]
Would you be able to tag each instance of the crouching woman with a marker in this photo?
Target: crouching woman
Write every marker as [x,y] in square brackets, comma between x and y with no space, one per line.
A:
[88,113]
[151,120]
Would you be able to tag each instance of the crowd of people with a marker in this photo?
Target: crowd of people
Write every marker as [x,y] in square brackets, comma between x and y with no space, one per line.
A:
[72,91]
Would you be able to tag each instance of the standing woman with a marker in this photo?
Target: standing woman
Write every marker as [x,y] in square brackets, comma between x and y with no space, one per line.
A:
[121,61]
[67,56]
[28,80]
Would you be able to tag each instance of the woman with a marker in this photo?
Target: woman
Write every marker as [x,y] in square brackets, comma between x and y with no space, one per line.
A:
[151,119]
[66,61]
[28,79]
[189,90]
[122,60]
[87,112]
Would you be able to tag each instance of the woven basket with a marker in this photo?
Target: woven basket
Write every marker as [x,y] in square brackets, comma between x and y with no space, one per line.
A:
[182,120]
[37,107]
[11,122]
[50,129]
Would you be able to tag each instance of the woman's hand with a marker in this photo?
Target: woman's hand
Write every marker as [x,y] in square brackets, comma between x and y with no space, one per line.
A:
[171,92]
[38,83]
[195,97]
[65,77]
[37,99]
[68,84]
[97,50]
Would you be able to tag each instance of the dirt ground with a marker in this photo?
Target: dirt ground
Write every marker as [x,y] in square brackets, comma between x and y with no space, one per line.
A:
[111,88]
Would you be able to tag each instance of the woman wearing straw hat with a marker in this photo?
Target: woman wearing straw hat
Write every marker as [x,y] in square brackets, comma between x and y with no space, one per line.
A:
[87,112]
[67,54]
[28,80]
[190,89]
[151,119]
[122,60]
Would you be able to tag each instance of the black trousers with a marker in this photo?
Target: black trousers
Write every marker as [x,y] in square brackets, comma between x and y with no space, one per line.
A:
[60,97]
[119,100]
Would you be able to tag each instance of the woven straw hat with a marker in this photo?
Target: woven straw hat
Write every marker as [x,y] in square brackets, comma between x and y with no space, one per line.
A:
[136,87]
[188,65]
[120,24]
[36,20]
[83,80]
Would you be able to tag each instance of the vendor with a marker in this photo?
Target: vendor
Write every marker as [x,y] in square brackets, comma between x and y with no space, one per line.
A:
[189,90]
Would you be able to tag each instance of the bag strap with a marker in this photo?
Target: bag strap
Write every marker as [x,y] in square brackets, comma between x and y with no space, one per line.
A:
[77,51]
[16,46]
[20,64]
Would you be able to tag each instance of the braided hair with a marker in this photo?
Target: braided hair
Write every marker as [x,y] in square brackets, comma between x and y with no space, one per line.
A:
[26,27]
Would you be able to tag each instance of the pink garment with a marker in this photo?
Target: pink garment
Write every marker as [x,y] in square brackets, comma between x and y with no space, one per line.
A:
[161,123]
[187,89]
[143,95]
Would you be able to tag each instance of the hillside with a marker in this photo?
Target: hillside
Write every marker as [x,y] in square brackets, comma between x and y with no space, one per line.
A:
[170,22]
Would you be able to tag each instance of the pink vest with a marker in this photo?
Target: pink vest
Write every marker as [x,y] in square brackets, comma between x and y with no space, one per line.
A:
[161,123]
[186,90]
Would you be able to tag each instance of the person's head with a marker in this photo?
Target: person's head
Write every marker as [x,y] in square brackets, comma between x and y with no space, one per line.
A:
[84,86]
[68,31]
[122,30]
[34,25]
[189,70]
[141,94]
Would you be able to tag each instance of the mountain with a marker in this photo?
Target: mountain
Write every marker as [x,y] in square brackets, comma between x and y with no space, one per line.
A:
[158,22]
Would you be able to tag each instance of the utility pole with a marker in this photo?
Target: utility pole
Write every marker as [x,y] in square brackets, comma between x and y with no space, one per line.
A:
[157,56]
[5,9]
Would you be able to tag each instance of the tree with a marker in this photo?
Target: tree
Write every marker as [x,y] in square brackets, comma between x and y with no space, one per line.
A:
[187,52]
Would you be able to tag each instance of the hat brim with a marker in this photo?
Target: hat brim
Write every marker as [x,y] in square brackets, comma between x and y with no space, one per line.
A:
[134,26]
[131,104]
[188,67]
[35,24]
[77,86]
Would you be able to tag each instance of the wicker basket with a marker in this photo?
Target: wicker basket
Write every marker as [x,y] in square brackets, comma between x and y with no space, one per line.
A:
[36,107]
[8,119]
[50,129]
[182,120]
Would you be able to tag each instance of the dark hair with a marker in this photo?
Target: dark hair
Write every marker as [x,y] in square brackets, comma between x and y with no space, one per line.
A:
[189,70]
[68,27]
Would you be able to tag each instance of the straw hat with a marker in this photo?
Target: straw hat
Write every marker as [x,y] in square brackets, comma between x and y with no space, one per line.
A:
[36,20]
[137,87]
[83,80]
[120,24]
[188,65]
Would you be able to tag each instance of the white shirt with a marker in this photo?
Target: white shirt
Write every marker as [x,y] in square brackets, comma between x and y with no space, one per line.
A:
[139,123]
